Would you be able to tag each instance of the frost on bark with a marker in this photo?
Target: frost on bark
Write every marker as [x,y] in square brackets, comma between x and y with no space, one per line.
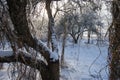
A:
[114,39]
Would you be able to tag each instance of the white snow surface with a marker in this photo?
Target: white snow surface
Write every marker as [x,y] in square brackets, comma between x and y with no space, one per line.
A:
[4,75]
[82,62]
[85,62]
[53,55]
[6,53]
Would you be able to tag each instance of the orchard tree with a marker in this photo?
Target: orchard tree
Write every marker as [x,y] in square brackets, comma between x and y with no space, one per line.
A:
[90,22]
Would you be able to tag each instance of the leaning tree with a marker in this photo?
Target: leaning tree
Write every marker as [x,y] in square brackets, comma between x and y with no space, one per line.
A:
[114,39]
[20,37]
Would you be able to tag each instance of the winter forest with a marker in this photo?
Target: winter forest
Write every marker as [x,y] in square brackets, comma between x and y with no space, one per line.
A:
[59,40]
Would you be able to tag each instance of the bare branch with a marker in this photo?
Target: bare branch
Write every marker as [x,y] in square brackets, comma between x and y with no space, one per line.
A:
[22,57]
[26,59]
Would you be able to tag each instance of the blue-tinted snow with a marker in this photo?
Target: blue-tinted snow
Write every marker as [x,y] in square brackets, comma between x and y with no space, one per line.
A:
[85,62]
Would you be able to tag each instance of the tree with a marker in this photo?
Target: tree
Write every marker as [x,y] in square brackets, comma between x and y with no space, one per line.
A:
[21,37]
[89,21]
[54,67]
[73,27]
[114,40]
[84,18]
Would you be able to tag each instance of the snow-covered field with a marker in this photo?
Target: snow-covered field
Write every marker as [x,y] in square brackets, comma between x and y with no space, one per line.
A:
[82,62]
[85,62]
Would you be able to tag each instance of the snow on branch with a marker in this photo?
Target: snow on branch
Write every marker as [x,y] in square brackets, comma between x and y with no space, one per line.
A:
[6,53]
[22,57]
[51,24]
[52,55]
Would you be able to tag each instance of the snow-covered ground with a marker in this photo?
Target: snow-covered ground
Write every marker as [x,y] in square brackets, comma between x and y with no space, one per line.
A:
[85,62]
[82,62]
[4,73]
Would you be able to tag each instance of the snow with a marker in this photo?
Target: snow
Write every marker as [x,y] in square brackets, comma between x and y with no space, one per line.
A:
[85,62]
[82,61]
[4,74]
[53,55]
[6,53]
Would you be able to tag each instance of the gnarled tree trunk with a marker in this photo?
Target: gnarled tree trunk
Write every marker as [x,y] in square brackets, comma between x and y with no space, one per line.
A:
[17,10]
[114,38]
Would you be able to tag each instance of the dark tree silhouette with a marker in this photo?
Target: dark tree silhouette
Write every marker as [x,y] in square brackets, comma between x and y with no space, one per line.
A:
[22,37]
[114,38]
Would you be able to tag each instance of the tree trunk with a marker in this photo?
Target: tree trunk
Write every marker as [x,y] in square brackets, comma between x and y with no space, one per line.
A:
[63,44]
[114,39]
[88,37]
[75,41]
[53,66]
[49,38]
[1,66]
[17,10]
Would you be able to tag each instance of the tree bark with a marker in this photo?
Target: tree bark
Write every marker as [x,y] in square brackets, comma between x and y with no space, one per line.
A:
[63,44]
[75,41]
[114,39]
[88,37]
[17,10]
[53,66]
